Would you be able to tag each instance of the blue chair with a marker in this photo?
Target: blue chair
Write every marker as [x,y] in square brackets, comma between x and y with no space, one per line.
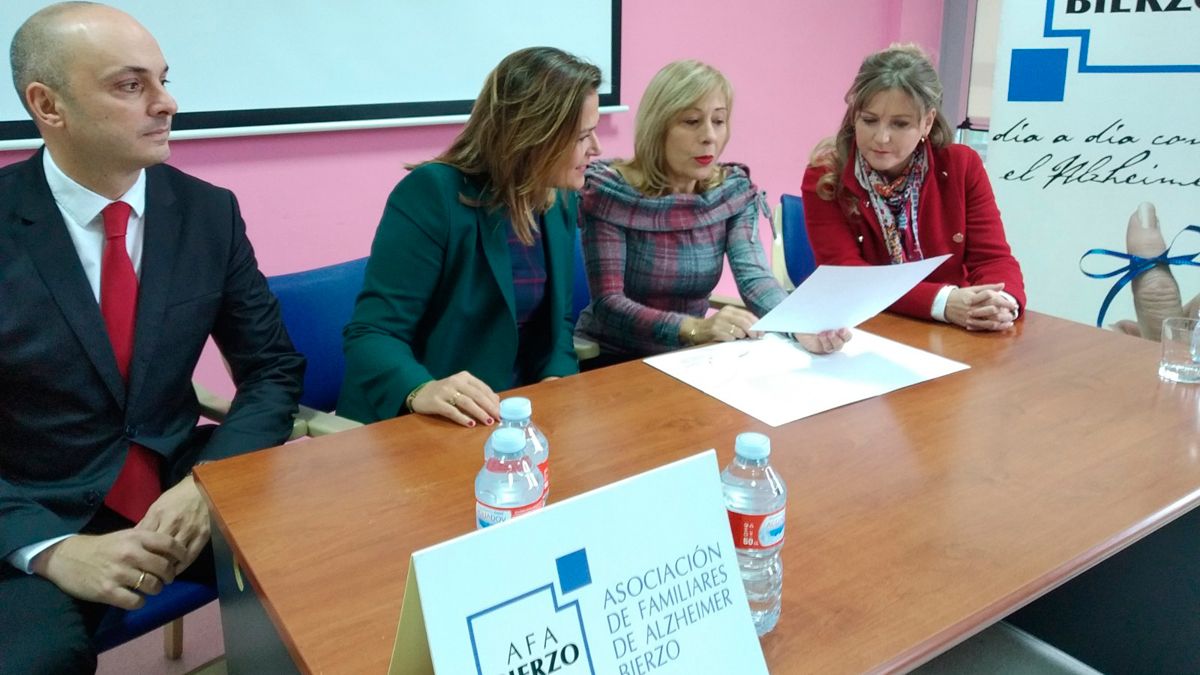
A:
[168,608]
[791,255]
[791,245]
[316,304]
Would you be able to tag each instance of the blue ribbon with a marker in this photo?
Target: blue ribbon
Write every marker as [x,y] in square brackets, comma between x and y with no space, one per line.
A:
[1136,266]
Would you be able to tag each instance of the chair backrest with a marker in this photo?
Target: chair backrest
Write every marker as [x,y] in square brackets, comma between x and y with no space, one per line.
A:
[778,259]
[118,626]
[316,306]
[580,295]
[797,251]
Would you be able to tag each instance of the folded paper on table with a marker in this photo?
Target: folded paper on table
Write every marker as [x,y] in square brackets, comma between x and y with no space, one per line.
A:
[774,380]
[843,297]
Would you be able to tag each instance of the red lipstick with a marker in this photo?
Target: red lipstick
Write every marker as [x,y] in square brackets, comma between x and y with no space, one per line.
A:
[704,160]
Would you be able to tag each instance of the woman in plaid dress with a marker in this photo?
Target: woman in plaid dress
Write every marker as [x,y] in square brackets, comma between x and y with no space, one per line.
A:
[657,228]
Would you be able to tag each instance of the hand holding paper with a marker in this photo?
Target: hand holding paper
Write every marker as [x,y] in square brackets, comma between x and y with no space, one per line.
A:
[826,342]
[835,297]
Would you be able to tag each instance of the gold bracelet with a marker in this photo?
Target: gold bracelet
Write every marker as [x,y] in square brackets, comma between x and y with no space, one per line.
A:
[412,395]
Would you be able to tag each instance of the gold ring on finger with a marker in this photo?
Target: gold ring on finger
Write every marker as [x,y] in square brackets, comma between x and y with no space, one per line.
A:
[454,399]
[139,582]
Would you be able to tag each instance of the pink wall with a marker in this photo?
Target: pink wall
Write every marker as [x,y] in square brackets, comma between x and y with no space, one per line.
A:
[920,21]
[314,199]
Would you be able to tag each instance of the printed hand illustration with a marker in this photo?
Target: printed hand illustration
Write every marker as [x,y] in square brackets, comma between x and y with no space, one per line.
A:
[1155,291]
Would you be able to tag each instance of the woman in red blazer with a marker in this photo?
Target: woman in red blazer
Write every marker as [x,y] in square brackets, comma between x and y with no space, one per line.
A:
[892,188]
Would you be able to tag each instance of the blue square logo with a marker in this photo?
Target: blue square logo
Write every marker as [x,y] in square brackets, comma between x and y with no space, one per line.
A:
[1037,75]
[573,571]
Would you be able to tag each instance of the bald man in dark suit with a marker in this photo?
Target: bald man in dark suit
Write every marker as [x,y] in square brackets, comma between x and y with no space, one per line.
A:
[114,271]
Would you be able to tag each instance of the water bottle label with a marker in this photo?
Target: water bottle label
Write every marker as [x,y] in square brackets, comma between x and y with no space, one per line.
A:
[486,514]
[757,531]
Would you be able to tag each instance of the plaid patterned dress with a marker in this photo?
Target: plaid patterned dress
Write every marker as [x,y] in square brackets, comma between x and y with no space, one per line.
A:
[651,261]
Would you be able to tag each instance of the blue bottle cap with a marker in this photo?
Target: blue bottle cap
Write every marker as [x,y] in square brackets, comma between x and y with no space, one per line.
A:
[751,445]
[508,441]
[515,408]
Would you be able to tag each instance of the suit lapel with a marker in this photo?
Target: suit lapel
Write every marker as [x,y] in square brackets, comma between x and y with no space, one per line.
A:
[558,259]
[44,235]
[493,234]
[159,258]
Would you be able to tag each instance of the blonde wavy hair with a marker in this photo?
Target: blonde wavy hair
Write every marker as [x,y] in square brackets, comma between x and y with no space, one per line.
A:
[903,67]
[524,122]
[674,89]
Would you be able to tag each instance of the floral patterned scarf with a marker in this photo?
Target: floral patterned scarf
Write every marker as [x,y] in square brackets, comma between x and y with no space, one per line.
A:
[895,203]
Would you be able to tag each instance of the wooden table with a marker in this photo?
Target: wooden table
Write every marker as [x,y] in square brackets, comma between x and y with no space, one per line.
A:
[915,519]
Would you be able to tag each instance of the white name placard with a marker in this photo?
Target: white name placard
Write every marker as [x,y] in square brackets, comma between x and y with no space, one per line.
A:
[639,576]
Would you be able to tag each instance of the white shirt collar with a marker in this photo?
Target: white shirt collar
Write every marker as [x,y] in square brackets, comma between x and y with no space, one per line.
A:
[82,204]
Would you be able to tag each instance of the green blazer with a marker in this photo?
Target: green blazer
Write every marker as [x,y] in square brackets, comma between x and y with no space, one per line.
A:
[438,296]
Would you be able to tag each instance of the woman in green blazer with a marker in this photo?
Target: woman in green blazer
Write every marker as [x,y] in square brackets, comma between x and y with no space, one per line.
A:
[468,287]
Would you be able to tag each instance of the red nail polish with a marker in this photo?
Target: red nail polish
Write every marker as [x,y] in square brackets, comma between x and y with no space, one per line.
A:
[490,421]
[470,423]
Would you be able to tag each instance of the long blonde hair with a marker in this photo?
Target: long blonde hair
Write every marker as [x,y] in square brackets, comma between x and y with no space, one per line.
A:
[678,86]
[525,120]
[903,67]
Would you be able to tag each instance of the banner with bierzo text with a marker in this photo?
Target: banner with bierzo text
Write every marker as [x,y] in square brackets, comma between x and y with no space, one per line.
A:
[1094,112]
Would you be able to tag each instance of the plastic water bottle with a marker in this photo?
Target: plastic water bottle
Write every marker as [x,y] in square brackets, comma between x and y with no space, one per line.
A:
[756,499]
[508,485]
[516,412]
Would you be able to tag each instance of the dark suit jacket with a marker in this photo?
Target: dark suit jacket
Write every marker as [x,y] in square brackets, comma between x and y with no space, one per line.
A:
[438,296]
[66,416]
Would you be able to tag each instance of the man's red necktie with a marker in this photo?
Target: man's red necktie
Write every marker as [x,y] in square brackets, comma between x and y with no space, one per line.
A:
[138,484]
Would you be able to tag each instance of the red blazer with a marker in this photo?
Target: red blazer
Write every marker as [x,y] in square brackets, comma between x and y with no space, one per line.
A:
[957,215]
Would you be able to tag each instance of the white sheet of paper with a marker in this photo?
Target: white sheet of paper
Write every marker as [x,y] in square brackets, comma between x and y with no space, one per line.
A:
[776,381]
[836,297]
